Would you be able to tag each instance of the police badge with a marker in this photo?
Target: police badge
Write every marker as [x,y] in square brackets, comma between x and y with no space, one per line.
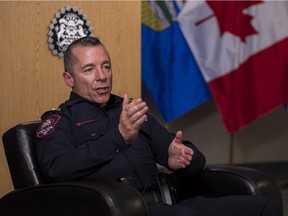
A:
[68,25]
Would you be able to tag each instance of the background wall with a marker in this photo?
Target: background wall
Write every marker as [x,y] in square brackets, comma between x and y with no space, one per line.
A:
[265,140]
[31,77]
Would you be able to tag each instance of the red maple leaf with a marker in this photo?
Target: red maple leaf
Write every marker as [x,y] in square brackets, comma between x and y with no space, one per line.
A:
[231,18]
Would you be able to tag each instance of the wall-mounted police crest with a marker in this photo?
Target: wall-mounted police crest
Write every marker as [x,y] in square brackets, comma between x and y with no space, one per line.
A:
[68,25]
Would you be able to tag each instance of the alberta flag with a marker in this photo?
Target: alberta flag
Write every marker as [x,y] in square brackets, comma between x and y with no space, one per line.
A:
[241,49]
[169,69]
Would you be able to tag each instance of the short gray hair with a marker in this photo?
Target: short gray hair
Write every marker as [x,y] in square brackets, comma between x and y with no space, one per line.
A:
[70,58]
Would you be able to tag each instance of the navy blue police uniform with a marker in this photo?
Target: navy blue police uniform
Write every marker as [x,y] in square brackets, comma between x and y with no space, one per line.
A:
[81,140]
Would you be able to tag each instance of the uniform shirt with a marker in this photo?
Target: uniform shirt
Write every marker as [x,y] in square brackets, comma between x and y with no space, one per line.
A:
[81,140]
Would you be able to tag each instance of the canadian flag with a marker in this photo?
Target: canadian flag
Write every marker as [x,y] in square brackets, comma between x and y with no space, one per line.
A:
[241,48]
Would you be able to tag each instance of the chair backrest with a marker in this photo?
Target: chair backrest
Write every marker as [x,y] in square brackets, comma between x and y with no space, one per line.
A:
[20,150]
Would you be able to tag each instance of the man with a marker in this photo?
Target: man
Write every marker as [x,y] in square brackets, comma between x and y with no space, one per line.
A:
[98,135]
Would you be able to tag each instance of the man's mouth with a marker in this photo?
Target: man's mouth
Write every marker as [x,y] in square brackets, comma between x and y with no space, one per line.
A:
[102,90]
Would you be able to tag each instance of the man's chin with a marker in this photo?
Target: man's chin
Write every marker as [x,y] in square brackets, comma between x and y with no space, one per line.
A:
[103,100]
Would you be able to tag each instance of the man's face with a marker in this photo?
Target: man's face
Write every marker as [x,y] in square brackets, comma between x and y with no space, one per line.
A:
[92,75]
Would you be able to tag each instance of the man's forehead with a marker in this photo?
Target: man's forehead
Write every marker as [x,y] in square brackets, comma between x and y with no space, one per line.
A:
[86,52]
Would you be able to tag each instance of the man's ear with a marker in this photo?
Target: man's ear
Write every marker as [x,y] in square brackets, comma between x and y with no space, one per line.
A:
[68,78]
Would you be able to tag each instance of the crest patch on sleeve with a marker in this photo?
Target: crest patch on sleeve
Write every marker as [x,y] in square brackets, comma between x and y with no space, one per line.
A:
[47,126]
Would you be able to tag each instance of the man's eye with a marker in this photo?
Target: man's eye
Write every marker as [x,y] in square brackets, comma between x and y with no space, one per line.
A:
[88,69]
[106,68]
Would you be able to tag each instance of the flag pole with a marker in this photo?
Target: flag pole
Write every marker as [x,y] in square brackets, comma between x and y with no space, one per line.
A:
[231,149]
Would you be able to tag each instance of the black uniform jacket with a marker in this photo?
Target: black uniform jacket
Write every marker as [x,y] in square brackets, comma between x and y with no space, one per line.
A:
[82,140]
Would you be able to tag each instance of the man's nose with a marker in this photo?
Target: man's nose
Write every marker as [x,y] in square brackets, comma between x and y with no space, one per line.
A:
[100,75]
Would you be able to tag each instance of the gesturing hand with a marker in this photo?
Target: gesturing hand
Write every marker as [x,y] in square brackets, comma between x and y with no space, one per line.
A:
[180,155]
[132,117]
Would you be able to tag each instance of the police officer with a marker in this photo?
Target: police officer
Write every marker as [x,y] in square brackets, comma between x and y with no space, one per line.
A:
[98,135]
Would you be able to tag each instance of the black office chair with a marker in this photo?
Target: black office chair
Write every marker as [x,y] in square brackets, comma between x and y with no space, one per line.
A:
[32,195]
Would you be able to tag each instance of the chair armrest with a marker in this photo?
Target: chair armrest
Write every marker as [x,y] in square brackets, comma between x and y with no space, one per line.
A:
[80,198]
[222,180]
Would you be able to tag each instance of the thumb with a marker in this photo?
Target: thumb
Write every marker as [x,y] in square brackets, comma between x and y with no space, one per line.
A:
[178,137]
[125,100]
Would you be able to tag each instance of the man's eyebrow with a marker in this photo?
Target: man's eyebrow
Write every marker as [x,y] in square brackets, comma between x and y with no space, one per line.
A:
[106,62]
[88,65]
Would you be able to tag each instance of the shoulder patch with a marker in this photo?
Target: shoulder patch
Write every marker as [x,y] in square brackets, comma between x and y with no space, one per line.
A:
[47,126]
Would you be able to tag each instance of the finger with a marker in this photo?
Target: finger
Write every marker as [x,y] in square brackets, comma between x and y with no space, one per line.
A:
[136,110]
[135,105]
[139,116]
[187,158]
[184,161]
[139,121]
[188,151]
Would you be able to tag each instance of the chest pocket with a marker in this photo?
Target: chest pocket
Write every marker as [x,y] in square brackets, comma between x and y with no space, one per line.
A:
[88,131]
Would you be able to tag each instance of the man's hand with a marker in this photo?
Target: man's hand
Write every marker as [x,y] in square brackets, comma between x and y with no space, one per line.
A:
[132,117]
[180,155]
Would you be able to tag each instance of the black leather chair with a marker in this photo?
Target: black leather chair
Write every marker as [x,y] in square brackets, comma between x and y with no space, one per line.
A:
[32,195]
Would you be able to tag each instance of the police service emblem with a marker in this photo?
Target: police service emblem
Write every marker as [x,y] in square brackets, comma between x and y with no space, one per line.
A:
[48,125]
[68,25]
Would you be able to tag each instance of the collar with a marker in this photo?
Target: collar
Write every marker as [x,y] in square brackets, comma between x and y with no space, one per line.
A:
[75,98]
